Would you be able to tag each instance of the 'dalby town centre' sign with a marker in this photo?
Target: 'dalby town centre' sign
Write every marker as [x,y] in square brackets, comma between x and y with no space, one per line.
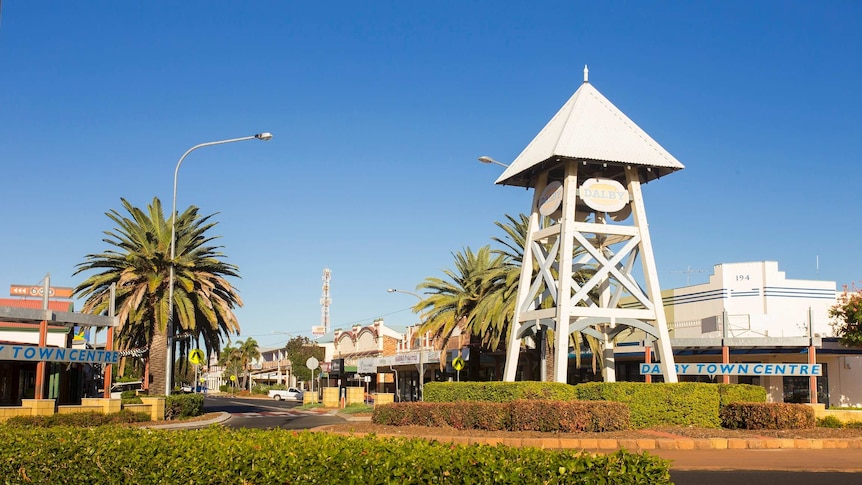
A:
[31,353]
[747,369]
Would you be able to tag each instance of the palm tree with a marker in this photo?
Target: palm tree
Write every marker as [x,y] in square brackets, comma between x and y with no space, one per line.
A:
[248,352]
[457,302]
[139,262]
[230,358]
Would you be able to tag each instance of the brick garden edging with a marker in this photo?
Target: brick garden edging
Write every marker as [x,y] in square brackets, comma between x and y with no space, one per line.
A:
[642,444]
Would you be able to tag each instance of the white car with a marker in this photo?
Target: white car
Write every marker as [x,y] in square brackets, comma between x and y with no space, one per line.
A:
[118,388]
[290,394]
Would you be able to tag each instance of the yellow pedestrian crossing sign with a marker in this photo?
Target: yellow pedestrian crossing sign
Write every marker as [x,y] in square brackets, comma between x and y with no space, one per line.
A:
[457,363]
[196,356]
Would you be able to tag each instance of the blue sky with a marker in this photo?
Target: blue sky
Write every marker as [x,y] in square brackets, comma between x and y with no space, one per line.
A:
[379,110]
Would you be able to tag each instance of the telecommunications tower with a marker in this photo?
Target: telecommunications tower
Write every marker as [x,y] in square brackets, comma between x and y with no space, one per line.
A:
[325,300]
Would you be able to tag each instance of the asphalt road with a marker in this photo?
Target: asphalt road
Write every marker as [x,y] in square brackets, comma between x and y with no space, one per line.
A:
[265,413]
[762,477]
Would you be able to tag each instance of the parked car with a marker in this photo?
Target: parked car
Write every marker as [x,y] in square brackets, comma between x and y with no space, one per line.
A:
[289,394]
[118,388]
[196,389]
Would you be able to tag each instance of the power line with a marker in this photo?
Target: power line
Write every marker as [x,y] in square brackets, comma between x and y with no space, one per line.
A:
[688,271]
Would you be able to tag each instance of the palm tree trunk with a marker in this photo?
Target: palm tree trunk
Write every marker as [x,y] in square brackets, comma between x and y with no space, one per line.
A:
[147,374]
[549,359]
[158,362]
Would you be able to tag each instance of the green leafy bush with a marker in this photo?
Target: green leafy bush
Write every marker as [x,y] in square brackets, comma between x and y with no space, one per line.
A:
[84,419]
[183,405]
[217,456]
[853,424]
[770,415]
[729,393]
[829,422]
[521,415]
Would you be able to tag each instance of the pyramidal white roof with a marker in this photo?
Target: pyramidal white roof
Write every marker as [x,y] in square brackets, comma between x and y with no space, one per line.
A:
[590,128]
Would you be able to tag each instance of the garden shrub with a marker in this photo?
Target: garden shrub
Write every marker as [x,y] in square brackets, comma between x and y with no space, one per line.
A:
[83,419]
[218,456]
[183,405]
[829,422]
[520,415]
[770,415]
[729,393]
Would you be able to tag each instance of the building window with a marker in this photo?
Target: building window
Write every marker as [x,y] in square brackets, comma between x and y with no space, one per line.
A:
[796,388]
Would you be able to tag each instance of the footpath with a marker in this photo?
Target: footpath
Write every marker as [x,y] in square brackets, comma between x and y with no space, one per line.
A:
[759,453]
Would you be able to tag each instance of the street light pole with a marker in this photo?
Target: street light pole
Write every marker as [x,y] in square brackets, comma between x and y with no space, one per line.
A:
[421,349]
[169,327]
[393,290]
[278,363]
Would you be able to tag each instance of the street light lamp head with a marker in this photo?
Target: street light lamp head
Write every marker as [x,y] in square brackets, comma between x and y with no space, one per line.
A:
[391,290]
[265,136]
[485,159]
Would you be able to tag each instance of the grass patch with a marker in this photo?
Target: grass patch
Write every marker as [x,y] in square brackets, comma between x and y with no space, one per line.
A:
[357,409]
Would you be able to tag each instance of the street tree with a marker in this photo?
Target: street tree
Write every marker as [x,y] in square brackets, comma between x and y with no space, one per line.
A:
[847,317]
[230,360]
[299,350]
[138,262]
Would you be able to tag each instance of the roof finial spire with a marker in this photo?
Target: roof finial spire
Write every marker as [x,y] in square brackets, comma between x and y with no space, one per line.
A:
[586,74]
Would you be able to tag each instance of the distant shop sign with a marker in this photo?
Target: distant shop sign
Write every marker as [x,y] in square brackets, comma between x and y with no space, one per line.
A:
[336,367]
[747,369]
[367,365]
[38,291]
[29,353]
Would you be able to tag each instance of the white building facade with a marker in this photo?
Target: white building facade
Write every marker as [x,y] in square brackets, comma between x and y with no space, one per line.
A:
[750,313]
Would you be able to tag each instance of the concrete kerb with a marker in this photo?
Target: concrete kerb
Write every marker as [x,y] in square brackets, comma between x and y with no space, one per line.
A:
[222,417]
[638,444]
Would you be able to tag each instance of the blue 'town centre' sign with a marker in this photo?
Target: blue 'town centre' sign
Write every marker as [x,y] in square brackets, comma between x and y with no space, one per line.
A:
[29,353]
[747,369]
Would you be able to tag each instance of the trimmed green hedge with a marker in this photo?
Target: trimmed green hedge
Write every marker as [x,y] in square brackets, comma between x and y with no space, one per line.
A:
[85,419]
[521,415]
[729,393]
[659,404]
[497,391]
[654,404]
[251,456]
[767,415]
